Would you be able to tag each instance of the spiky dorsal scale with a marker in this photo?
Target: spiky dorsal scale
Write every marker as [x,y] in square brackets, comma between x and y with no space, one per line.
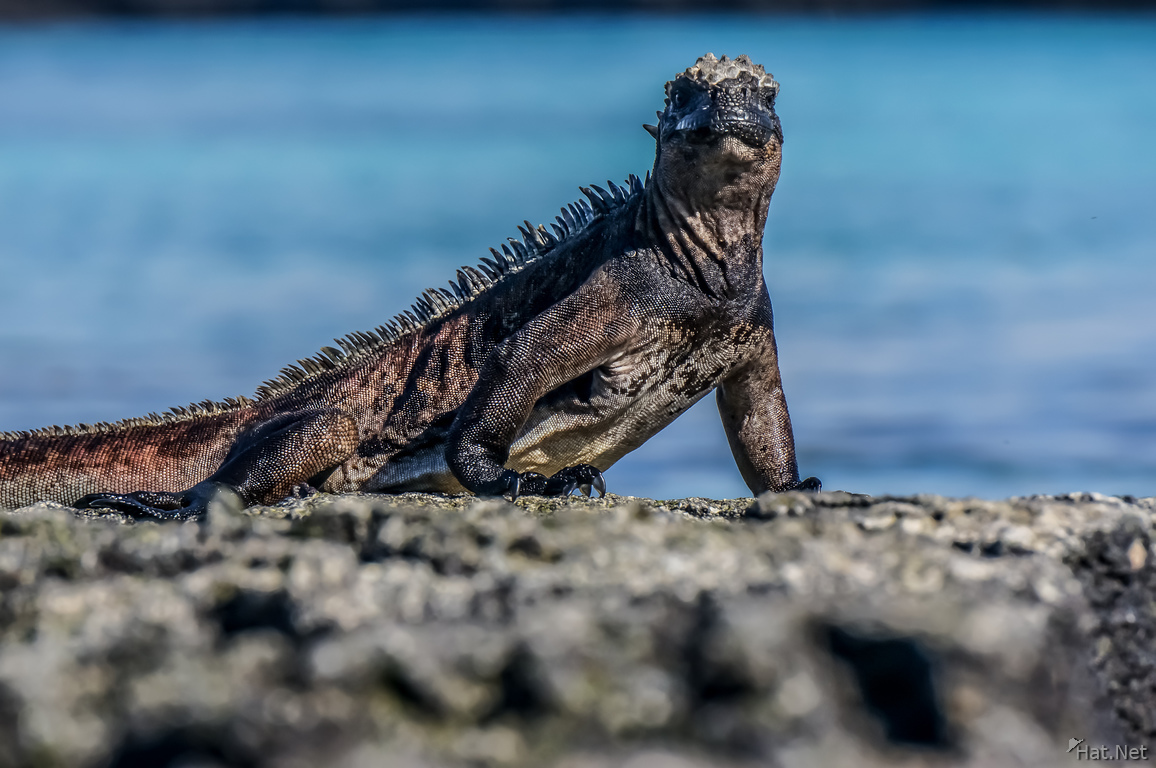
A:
[433,299]
[607,198]
[489,270]
[498,263]
[530,238]
[545,237]
[596,201]
[533,237]
[522,252]
[481,281]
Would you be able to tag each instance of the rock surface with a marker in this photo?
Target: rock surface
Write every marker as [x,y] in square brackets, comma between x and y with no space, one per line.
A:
[791,630]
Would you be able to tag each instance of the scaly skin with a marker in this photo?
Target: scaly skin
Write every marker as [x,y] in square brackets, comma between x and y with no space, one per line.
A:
[536,373]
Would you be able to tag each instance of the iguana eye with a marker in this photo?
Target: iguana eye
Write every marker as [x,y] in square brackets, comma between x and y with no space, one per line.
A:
[677,99]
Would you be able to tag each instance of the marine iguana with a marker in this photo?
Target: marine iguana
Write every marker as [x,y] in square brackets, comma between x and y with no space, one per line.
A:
[532,374]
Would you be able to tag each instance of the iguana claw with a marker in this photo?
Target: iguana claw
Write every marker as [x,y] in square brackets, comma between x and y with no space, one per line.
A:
[528,483]
[581,477]
[302,491]
[159,505]
[810,484]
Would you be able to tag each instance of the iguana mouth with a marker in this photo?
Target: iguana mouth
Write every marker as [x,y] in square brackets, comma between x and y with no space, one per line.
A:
[707,125]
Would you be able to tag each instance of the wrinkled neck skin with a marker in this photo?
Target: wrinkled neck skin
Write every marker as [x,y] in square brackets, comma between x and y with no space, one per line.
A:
[709,213]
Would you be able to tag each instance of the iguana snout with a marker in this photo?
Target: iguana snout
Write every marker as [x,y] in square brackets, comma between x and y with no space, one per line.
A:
[719,139]
[721,97]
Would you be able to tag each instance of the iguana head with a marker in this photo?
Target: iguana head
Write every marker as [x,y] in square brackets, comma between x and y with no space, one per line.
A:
[719,123]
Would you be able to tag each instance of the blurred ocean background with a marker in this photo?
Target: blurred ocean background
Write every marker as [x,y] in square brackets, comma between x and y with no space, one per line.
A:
[961,252]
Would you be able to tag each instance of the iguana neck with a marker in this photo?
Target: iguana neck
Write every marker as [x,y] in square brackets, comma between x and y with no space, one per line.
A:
[712,240]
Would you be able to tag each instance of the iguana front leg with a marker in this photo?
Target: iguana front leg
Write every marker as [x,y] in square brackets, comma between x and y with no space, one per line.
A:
[576,335]
[754,415]
[265,463]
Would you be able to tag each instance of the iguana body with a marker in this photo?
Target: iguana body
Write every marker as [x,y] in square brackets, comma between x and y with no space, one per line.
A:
[537,371]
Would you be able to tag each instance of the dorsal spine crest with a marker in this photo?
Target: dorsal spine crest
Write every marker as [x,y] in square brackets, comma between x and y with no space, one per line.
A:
[433,304]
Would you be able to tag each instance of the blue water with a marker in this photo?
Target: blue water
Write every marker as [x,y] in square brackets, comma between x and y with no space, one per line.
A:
[960,252]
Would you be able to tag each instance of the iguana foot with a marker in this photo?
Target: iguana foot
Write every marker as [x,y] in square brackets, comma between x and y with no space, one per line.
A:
[810,484]
[581,477]
[160,505]
[302,491]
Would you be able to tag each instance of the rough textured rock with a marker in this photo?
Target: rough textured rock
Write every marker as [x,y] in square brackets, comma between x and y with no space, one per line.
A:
[791,630]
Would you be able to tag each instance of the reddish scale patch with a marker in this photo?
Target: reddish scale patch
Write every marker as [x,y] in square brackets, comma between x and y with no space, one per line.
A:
[162,457]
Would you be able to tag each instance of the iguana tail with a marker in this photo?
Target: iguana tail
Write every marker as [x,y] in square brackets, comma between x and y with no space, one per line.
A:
[168,453]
